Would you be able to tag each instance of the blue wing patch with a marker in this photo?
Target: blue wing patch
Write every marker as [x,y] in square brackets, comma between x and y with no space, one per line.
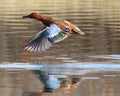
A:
[52,31]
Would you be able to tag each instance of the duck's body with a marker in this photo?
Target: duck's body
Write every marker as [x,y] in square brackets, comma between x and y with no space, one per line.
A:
[56,31]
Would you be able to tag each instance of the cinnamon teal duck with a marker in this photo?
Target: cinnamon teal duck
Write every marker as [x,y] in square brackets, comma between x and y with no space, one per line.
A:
[56,30]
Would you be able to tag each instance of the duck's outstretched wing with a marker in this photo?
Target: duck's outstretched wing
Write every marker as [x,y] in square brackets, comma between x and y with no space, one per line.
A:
[45,39]
[39,42]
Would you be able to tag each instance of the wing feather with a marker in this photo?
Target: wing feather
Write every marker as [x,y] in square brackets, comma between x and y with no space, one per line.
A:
[37,43]
[45,39]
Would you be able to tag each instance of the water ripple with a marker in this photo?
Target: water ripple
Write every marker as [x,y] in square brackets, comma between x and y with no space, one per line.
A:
[83,65]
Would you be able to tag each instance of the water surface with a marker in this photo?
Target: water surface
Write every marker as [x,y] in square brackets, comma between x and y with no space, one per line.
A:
[93,60]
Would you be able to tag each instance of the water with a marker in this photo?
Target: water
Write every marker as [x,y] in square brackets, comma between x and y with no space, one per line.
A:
[75,57]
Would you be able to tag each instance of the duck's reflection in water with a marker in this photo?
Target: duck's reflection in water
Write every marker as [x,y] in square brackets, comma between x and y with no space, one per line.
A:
[54,83]
[57,82]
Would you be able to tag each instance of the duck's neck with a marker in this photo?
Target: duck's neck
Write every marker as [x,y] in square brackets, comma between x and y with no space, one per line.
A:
[44,20]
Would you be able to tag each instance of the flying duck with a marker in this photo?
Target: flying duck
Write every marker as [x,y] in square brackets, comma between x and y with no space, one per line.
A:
[56,30]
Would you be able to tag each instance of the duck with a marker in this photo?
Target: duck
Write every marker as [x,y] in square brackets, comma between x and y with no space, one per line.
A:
[56,30]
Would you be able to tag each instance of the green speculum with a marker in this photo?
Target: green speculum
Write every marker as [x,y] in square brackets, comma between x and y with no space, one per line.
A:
[59,36]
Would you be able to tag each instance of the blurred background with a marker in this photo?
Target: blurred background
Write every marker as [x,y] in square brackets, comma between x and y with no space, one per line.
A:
[98,19]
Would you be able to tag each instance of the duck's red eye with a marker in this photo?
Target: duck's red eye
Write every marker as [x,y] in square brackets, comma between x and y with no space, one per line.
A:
[33,14]
[36,15]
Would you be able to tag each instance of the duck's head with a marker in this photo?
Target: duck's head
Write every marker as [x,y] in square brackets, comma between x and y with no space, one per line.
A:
[74,28]
[34,16]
